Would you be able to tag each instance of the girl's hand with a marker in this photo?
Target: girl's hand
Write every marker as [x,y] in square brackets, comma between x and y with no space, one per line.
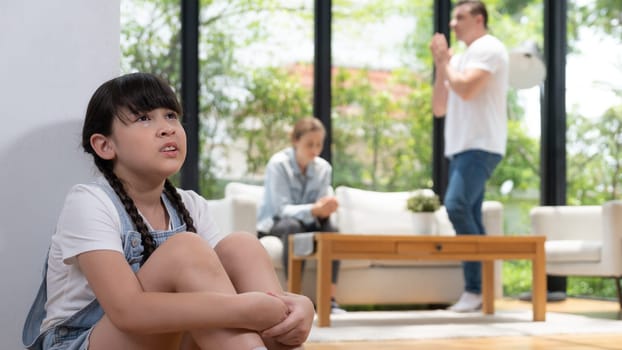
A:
[294,330]
[263,310]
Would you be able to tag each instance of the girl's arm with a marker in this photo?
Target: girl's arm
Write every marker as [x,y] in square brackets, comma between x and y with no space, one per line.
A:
[235,252]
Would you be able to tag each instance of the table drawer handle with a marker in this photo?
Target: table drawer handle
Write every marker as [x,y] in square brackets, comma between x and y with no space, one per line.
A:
[439,247]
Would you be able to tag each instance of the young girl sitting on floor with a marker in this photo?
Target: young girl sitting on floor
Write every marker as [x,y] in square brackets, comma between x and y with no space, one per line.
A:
[136,263]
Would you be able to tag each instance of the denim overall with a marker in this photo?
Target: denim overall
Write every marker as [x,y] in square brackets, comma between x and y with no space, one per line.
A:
[72,333]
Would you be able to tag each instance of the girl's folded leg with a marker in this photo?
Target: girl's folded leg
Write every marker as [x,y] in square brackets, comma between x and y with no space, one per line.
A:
[183,264]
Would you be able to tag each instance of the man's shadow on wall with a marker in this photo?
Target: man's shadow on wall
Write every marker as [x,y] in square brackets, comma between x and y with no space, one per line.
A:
[37,171]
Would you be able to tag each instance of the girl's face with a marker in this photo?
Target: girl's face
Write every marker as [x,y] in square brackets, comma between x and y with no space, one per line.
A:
[308,147]
[150,145]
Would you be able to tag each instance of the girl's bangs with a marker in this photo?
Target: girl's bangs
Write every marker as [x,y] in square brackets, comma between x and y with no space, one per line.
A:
[144,92]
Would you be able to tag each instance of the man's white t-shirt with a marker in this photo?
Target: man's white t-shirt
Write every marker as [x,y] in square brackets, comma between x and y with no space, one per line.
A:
[481,122]
[90,221]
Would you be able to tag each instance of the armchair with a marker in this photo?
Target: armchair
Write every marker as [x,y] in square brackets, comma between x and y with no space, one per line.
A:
[582,240]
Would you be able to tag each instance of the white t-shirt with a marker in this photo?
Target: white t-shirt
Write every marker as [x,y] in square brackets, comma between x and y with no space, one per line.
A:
[481,122]
[89,221]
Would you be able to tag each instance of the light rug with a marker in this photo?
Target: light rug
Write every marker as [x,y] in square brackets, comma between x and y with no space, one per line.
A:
[401,325]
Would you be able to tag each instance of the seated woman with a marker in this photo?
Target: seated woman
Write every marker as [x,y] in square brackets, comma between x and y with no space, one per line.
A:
[297,196]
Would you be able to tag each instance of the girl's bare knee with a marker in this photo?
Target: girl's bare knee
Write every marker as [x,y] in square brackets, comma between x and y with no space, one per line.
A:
[241,235]
[237,241]
[179,259]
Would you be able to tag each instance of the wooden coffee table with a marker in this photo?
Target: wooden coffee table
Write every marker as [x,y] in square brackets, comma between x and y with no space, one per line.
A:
[487,249]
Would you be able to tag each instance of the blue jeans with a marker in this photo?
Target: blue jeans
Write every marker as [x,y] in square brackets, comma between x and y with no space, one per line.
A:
[468,173]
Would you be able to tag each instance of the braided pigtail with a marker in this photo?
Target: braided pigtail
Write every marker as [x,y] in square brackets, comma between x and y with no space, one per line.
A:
[175,198]
[148,242]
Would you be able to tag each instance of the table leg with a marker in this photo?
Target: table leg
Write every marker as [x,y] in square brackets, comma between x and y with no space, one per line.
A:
[488,290]
[323,284]
[538,288]
[294,270]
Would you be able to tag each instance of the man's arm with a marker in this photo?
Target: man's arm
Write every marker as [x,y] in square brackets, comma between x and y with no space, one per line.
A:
[439,95]
[441,55]
[468,84]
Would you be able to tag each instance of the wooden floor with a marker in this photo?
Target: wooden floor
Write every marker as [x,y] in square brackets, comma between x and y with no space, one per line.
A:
[591,308]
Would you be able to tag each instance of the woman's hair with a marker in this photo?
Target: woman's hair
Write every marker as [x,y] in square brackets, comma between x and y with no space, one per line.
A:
[305,125]
[138,93]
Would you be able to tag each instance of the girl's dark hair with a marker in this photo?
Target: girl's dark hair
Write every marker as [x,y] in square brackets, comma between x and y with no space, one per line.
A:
[139,93]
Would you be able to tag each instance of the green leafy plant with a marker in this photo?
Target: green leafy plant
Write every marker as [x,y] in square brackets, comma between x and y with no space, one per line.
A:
[423,200]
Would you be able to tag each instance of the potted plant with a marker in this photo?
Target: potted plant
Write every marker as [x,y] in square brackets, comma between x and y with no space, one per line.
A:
[423,203]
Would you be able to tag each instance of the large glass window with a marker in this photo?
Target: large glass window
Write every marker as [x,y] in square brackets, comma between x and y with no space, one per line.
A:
[594,115]
[594,102]
[381,89]
[150,38]
[256,76]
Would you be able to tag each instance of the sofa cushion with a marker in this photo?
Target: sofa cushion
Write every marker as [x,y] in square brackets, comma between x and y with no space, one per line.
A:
[568,222]
[443,225]
[274,247]
[238,189]
[221,210]
[371,212]
[569,251]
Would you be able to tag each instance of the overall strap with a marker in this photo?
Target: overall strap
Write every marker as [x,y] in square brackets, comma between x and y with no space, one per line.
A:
[126,221]
[37,313]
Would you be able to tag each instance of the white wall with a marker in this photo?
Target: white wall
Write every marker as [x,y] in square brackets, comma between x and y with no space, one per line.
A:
[53,55]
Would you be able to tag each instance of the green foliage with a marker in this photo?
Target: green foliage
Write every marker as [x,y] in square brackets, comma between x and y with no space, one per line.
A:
[598,287]
[603,15]
[521,163]
[423,201]
[277,100]
[151,44]
[595,157]
[517,279]
[516,23]
[375,133]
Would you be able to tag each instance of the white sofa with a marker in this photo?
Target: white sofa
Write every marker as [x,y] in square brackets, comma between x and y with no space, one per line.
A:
[369,281]
[582,240]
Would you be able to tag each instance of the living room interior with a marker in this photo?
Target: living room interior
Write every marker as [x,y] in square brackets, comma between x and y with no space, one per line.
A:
[245,72]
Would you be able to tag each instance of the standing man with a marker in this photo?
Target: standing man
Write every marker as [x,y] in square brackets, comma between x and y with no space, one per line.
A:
[470,90]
